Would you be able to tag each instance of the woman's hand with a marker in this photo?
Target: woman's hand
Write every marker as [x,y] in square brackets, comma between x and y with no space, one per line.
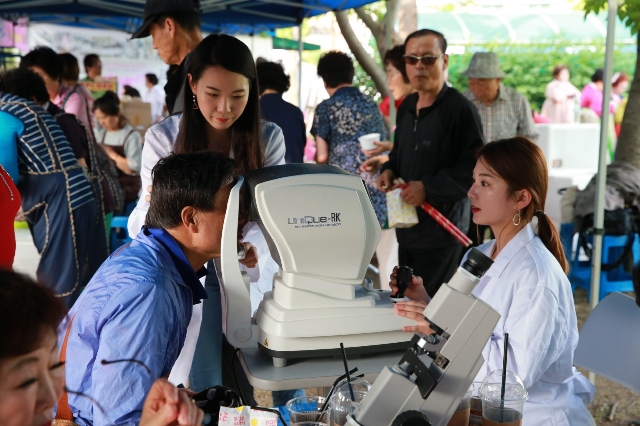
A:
[167,406]
[250,257]
[373,164]
[414,310]
[415,291]
[382,146]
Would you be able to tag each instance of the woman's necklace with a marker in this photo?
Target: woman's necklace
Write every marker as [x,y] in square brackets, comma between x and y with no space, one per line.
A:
[6,183]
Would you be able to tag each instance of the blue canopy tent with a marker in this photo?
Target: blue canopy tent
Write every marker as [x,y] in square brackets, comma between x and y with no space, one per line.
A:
[231,16]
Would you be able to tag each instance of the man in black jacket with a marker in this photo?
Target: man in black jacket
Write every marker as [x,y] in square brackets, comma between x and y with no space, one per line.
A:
[438,132]
[174,26]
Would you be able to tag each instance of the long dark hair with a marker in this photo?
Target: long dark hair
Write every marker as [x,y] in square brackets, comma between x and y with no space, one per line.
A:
[233,55]
[522,165]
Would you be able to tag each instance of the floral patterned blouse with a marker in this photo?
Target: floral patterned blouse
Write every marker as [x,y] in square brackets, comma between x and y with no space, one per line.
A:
[340,121]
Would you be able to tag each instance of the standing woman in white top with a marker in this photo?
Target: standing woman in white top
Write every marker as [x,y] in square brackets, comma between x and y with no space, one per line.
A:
[155,96]
[527,285]
[221,114]
[121,141]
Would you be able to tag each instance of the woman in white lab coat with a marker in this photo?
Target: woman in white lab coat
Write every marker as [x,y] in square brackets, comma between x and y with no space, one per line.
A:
[527,285]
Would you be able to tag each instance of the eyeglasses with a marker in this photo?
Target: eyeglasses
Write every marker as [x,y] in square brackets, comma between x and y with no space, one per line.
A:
[426,59]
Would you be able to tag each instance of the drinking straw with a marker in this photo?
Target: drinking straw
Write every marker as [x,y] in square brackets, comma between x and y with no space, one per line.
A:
[346,370]
[338,380]
[504,365]
[504,373]
[440,219]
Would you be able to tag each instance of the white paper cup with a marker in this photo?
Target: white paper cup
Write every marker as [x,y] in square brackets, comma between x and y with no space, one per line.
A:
[367,141]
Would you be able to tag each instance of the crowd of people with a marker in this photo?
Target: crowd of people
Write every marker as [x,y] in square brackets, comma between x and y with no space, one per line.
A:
[152,308]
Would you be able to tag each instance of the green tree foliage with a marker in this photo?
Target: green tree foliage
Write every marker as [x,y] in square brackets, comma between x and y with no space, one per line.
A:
[530,67]
[628,11]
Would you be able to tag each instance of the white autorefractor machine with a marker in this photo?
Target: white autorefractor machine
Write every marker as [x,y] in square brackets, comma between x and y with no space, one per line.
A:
[322,231]
[428,383]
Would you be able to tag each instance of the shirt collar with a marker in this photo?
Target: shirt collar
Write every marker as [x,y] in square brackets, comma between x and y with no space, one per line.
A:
[519,241]
[345,89]
[414,105]
[191,278]
[502,95]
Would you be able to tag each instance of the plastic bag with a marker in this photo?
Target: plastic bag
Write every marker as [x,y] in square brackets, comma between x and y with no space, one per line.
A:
[400,214]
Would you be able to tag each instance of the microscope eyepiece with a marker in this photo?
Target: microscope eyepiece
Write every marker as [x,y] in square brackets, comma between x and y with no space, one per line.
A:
[477,263]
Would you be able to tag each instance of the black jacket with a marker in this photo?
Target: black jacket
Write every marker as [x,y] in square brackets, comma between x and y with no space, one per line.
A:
[438,147]
[174,89]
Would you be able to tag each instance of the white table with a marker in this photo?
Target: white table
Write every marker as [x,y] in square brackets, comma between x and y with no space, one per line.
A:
[309,373]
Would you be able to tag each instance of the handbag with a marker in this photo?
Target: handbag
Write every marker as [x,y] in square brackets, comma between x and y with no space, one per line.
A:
[399,213]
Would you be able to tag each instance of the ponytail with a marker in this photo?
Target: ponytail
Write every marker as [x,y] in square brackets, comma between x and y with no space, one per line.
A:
[551,239]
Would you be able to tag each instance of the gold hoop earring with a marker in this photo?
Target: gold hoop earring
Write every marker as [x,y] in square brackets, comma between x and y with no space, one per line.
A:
[195,102]
[517,215]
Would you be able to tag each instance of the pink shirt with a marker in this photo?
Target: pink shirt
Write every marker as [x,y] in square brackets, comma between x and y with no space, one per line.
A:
[592,98]
[77,104]
[560,101]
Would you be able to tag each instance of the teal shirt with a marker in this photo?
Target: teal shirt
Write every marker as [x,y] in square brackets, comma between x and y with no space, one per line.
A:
[10,131]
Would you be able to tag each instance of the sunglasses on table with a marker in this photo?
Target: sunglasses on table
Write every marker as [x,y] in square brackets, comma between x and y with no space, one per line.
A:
[426,59]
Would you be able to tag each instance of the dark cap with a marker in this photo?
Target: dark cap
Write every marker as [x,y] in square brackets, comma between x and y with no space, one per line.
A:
[155,8]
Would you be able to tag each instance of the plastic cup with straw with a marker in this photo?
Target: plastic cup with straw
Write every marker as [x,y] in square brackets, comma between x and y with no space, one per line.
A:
[503,395]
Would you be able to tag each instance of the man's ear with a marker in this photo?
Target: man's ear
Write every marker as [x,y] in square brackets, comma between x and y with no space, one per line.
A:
[190,218]
[445,60]
[171,27]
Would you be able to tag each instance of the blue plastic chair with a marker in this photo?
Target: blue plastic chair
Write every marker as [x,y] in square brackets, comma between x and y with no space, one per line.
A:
[610,281]
[119,234]
[567,230]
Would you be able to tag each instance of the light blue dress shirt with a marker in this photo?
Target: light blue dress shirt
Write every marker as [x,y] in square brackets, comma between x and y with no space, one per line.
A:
[137,306]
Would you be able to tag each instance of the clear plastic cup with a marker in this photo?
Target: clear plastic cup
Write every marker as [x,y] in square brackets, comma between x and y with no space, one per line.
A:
[358,384]
[341,405]
[498,409]
[307,411]
[367,141]
[475,416]
[461,416]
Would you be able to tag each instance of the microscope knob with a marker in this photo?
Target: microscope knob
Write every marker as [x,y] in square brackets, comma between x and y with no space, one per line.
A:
[404,275]
[411,418]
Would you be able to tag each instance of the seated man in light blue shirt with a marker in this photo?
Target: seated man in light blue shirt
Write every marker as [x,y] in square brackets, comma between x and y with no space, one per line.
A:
[128,326]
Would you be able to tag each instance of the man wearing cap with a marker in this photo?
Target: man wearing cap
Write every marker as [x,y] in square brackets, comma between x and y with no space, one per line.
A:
[505,113]
[437,134]
[174,26]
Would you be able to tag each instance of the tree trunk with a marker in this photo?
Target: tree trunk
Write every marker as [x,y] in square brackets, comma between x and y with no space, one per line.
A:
[367,63]
[407,19]
[628,147]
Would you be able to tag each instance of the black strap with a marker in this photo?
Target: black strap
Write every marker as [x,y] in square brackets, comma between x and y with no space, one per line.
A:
[608,266]
[73,90]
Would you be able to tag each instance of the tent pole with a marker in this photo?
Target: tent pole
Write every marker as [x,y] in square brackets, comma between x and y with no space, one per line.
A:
[389,30]
[300,46]
[601,177]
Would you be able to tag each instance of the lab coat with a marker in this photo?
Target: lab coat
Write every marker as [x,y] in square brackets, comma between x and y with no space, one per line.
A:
[528,288]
